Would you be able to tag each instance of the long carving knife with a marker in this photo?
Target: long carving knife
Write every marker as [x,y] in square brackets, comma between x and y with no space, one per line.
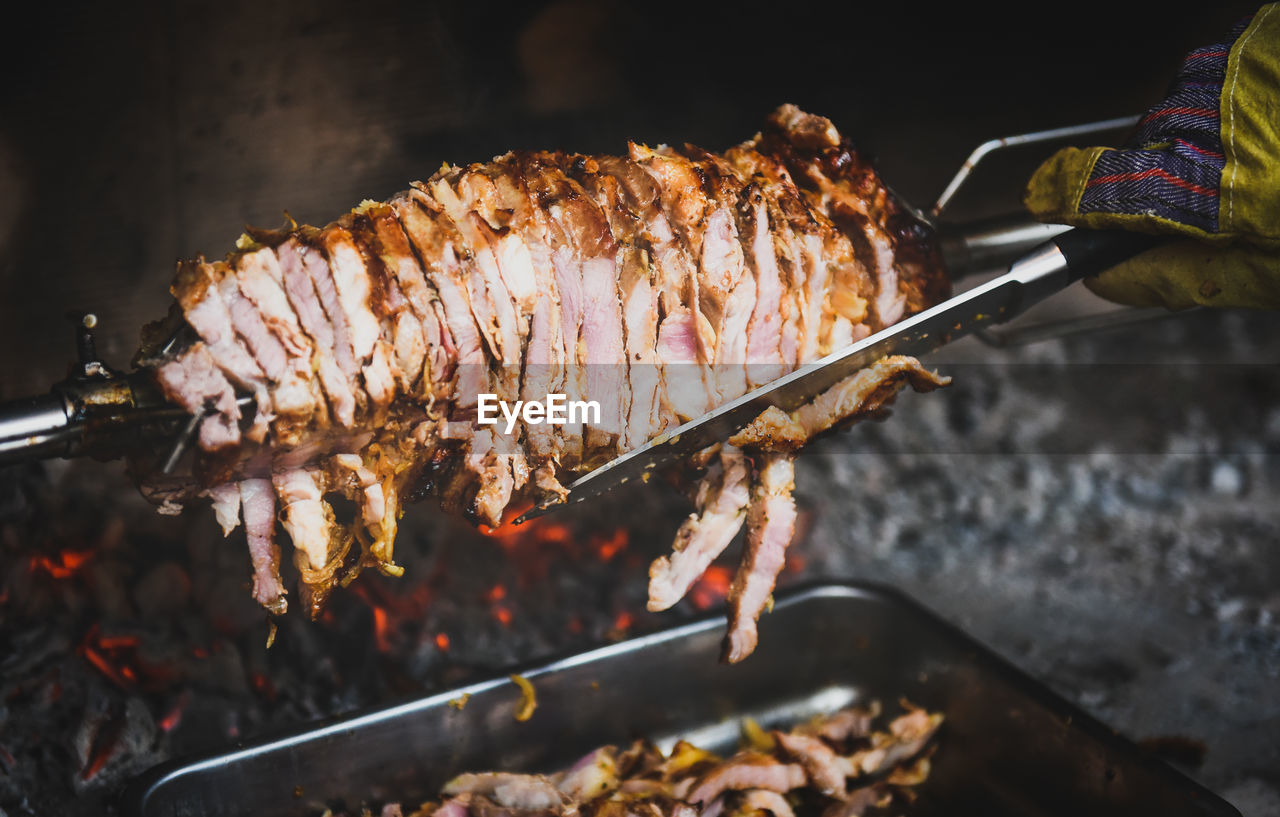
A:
[1044,271]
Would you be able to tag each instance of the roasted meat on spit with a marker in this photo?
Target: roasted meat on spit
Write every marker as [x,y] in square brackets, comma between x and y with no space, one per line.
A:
[659,284]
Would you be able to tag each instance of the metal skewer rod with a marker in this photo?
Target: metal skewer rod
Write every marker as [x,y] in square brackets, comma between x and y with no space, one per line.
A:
[1053,134]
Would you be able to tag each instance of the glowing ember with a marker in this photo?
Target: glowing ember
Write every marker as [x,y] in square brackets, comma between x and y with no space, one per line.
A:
[117,642]
[103,665]
[542,531]
[623,621]
[606,549]
[496,593]
[263,685]
[442,641]
[99,759]
[110,656]
[712,588]
[169,721]
[390,606]
[381,630]
[537,545]
[64,565]
[503,615]
[174,716]
[508,530]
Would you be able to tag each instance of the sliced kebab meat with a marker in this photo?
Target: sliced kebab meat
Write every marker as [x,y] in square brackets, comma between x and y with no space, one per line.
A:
[659,284]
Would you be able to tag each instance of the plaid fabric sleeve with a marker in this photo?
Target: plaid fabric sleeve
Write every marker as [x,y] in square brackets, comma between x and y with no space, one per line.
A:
[1172,168]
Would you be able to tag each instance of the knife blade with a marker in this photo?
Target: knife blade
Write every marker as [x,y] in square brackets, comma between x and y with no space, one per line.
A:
[1044,271]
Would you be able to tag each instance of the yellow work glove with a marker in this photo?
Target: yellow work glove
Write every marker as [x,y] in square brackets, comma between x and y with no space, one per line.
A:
[1204,164]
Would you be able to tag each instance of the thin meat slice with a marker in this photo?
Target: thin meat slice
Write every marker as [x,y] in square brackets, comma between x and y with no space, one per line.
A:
[309,521]
[379,506]
[765,800]
[595,775]
[682,371]
[847,724]
[817,278]
[262,282]
[300,266]
[764,328]
[727,284]
[352,282]
[410,348]
[684,377]
[495,310]
[491,215]
[639,300]
[544,359]
[792,220]
[292,397]
[605,359]
[298,397]
[586,277]
[399,260]
[858,801]
[858,395]
[435,245]
[257,501]
[401,345]
[568,276]
[196,289]
[771,521]
[319,270]
[195,382]
[226,506]
[747,770]
[687,207]
[721,509]
[521,791]
[486,459]
[267,350]
[640,319]
[824,767]
[907,736]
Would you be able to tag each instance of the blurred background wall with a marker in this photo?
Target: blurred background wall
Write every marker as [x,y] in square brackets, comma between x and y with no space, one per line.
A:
[135,133]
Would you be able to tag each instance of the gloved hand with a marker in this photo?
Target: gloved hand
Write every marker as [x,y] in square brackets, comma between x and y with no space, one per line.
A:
[1203,164]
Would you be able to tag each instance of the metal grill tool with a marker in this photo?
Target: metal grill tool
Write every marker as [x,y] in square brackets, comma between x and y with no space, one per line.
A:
[102,412]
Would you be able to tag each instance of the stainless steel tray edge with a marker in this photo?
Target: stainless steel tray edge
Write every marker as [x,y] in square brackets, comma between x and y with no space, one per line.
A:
[948,656]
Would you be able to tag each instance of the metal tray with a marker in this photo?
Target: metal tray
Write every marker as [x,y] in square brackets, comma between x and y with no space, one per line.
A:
[1009,745]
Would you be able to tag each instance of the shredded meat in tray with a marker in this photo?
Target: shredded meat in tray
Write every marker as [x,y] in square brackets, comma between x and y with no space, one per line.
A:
[834,766]
[660,284]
